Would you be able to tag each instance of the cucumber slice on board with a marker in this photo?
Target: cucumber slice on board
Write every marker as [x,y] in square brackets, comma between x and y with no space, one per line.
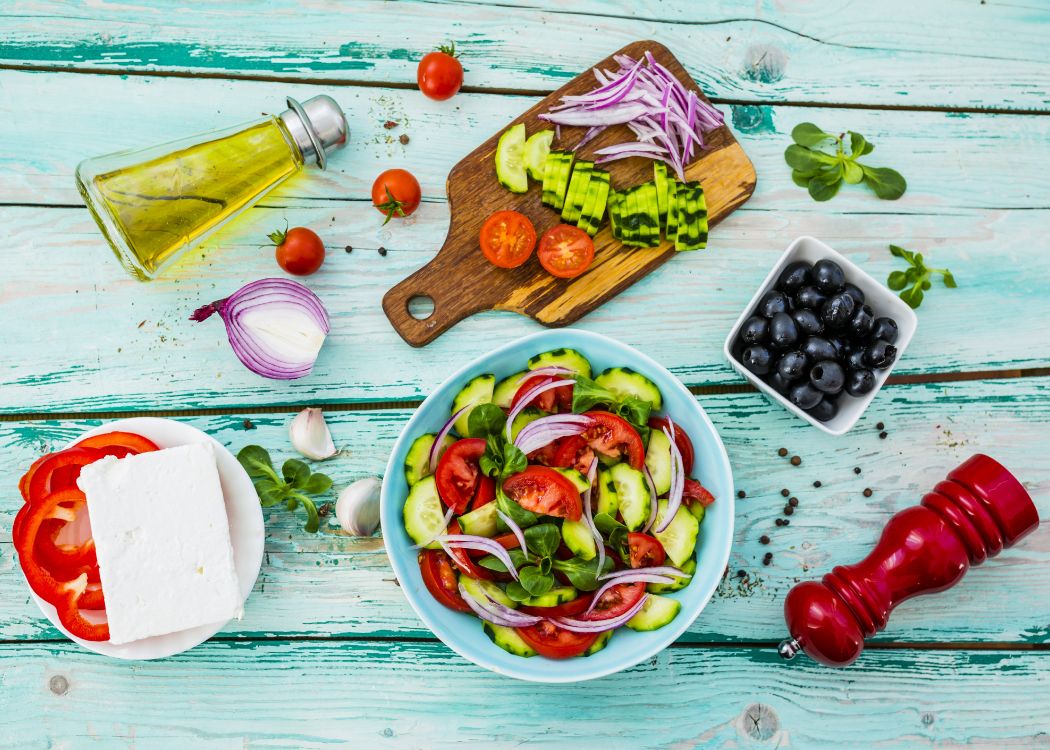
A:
[423,512]
[477,391]
[623,381]
[509,640]
[651,208]
[655,613]
[657,461]
[692,218]
[614,213]
[679,538]
[536,149]
[630,219]
[581,178]
[562,185]
[671,228]
[633,493]
[570,359]
[594,205]
[510,159]
[661,179]
[417,462]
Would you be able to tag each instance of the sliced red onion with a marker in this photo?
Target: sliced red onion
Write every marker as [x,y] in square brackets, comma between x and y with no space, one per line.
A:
[496,613]
[530,396]
[653,504]
[549,370]
[588,514]
[435,449]
[614,115]
[444,527]
[674,497]
[657,570]
[590,135]
[546,430]
[481,543]
[515,529]
[275,326]
[633,577]
[599,626]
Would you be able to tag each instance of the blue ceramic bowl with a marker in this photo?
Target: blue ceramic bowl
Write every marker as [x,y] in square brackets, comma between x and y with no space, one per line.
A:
[463,633]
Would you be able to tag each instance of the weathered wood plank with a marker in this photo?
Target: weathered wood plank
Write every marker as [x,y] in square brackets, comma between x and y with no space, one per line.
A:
[411,695]
[902,53]
[331,585]
[69,319]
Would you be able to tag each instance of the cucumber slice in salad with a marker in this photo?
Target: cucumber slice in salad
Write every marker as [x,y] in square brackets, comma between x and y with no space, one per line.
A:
[679,538]
[510,159]
[477,391]
[480,521]
[503,393]
[480,589]
[554,597]
[623,381]
[679,583]
[417,462]
[423,512]
[526,415]
[608,502]
[658,461]
[600,643]
[536,149]
[655,613]
[578,480]
[508,640]
[570,359]
[633,493]
[578,538]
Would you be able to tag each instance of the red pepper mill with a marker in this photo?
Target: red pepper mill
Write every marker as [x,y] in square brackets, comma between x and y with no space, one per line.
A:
[980,509]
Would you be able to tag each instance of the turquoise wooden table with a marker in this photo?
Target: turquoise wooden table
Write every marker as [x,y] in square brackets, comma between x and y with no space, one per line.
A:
[955,95]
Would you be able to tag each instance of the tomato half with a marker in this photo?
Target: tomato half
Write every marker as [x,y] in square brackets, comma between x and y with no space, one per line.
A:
[556,643]
[694,492]
[458,473]
[545,491]
[507,239]
[566,251]
[613,436]
[616,601]
[441,580]
[570,609]
[681,439]
[440,74]
[646,551]
[556,399]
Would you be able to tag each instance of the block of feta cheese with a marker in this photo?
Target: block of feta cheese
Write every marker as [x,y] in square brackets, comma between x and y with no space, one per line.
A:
[163,541]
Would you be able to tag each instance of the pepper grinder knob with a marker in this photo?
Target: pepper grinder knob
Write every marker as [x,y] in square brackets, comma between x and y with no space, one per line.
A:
[977,512]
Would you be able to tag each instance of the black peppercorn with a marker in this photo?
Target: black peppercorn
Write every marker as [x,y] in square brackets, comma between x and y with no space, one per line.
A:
[882,435]
[785,492]
[793,502]
[856,470]
[816,483]
[741,494]
[349,249]
[764,539]
[741,574]
[786,522]
[880,426]
[382,250]
[796,461]
[867,492]
[788,509]
[782,452]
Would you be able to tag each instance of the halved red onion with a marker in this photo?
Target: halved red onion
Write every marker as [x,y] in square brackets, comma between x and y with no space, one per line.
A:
[674,497]
[435,449]
[444,527]
[496,613]
[530,396]
[515,529]
[632,577]
[546,430]
[658,570]
[588,514]
[653,504]
[600,626]
[480,543]
[275,326]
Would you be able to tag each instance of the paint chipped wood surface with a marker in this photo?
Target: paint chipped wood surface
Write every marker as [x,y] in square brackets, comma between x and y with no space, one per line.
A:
[329,652]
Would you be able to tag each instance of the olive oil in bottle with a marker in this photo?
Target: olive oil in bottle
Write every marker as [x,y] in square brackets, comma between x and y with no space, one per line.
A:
[154,204]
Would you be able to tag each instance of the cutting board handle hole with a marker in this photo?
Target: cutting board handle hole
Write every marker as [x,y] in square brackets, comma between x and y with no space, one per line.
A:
[420,306]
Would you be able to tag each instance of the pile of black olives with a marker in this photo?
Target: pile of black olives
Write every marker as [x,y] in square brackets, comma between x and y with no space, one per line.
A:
[812,337]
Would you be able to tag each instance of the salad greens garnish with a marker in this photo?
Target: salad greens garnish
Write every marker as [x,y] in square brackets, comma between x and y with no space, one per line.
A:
[916,278]
[587,394]
[293,486]
[822,173]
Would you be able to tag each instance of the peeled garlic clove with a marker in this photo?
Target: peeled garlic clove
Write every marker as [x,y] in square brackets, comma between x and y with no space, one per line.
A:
[358,507]
[310,435]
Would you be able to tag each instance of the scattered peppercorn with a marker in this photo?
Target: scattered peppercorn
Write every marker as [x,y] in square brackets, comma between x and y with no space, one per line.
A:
[796,461]
[816,483]
[782,452]
[404,139]
[793,502]
[789,509]
[786,522]
[248,425]
[767,558]
[785,492]
[741,574]
[856,470]
[764,539]
[867,492]
[882,435]
[741,494]
[881,426]
[390,124]
[349,249]
[780,521]
[382,251]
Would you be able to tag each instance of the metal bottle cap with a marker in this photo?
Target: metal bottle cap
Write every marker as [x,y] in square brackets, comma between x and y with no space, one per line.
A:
[318,126]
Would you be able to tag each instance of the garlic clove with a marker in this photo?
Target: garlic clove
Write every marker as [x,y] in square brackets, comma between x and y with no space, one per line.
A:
[357,508]
[310,435]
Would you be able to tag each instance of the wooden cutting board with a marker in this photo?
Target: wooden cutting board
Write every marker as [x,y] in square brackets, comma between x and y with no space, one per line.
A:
[462,282]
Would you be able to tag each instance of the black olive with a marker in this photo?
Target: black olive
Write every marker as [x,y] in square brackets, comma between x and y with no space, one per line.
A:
[842,346]
[794,277]
[810,297]
[825,410]
[885,329]
[854,291]
[827,376]
[757,359]
[837,311]
[771,304]
[808,322]
[778,383]
[755,330]
[859,382]
[805,396]
[828,276]
[880,355]
[861,323]
[783,333]
[855,358]
[792,365]
[818,349]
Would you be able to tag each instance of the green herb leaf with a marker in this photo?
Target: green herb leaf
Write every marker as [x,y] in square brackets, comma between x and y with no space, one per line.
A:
[822,173]
[485,420]
[606,524]
[823,191]
[949,280]
[858,146]
[517,592]
[852,173]
[535,581]
[295,472]
[270,493]
[542,539]
[912,296]
[492,562]
[313,521]
[887,183]
[900,252]
[256,461]
[295,486]
[801,178]
[808,134]
[586,394]
[806,160]
[897,281]
[514,461]
[582,574]
[491,461]
[317,484]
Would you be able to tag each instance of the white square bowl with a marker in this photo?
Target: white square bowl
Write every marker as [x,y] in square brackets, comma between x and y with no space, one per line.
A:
[885,304]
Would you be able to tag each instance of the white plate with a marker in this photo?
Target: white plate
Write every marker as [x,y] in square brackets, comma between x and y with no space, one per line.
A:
[246,535]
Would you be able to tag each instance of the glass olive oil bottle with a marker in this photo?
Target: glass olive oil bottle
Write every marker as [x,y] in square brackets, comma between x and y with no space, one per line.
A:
[154,204]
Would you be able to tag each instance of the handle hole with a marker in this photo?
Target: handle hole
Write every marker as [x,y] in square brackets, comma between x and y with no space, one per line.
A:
[421,306]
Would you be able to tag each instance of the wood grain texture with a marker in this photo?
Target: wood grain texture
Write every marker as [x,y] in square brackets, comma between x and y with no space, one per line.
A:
[329,585]
[461,281]
[896,52]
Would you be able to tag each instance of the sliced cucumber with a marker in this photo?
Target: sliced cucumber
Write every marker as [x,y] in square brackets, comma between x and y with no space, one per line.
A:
[661,179]
[510,159]
[561,186]
[526,415]
[554,597]
[481,521]
[536,149]
[551,173]
[477,391]
[658,461]
[424,514]
[698,510]
[615,201]
[601,642]
[679,538]
[509,640]
[581,178]
[505,389]
[480,589]
[594,205]
[692,218]
[651,207]
[689,566]
[671,227]
[578,479]
[579,539]
[608,502]
[570,359]
[624,381]
[655,613]
[417,462]
[630,219]
[633,493]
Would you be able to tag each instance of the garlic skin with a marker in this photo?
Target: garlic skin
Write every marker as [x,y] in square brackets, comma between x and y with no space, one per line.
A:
[310,435]
[357,508]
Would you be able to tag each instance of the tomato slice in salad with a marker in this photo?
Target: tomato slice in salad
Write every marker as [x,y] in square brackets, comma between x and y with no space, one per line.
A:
[556,399]
[613,436]
[646,551]
[573,453]
[458,474]
[545,491]
[681,439]
[486,492]
[440,579]
[556,643]
[616,601]
[570,609]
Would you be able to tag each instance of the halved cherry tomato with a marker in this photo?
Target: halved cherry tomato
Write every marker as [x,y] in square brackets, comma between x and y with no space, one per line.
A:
[507,239]
[681,439]
[569,609]
[646,551]
[440,579]
[458,473]
[695,492]
[566,251]
[556,399]
[462,560]
[574,453]
[556,643]
[41,484]
[613,436]
[486,492]
[616,601]
[545,491]
[134,443]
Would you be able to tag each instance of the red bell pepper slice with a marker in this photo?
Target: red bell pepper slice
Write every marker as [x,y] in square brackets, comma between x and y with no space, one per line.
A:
[23,483]
[128,440]
[41,483]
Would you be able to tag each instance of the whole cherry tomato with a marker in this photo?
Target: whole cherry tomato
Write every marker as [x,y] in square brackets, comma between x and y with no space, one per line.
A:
[396,193]
[299,250]
[440,74]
